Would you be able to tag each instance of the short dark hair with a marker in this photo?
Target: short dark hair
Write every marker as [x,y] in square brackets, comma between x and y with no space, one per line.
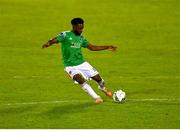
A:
[76,21]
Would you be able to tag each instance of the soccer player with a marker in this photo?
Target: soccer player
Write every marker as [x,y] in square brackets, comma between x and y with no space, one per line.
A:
[75,65]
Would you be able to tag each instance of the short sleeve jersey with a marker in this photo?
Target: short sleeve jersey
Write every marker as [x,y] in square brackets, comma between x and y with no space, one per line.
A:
[71,48]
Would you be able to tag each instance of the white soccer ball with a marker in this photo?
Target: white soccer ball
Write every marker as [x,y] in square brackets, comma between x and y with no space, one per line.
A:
[119,96]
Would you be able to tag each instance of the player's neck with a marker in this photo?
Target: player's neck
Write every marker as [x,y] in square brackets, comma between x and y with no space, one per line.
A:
[76,33]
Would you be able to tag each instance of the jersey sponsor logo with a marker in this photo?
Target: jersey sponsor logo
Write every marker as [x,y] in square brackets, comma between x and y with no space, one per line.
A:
[75,45]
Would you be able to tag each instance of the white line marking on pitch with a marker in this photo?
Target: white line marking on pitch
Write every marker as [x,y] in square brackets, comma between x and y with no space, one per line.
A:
[154,99]
[150,77]
[74,101]
[43,102]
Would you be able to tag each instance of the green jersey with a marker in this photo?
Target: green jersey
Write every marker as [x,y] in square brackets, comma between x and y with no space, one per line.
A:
[71,48]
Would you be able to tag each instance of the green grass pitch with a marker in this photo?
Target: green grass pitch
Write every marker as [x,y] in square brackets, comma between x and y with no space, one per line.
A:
[146,65]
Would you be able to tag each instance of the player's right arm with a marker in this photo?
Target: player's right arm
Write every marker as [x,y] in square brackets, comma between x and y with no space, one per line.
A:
[60,38]
[50,42]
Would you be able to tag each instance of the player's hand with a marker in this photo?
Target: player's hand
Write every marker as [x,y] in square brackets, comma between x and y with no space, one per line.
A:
[45,46]
[112,48]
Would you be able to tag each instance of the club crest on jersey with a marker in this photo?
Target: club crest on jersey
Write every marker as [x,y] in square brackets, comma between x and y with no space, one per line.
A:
[75,45]
[63,34]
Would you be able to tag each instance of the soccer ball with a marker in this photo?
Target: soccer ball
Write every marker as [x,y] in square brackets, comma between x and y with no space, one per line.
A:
[119,96]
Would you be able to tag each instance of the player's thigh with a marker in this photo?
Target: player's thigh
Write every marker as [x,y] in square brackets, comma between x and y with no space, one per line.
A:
[79,78]
[97,78]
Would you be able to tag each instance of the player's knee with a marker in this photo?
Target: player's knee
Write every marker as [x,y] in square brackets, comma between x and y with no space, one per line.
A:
[79,78]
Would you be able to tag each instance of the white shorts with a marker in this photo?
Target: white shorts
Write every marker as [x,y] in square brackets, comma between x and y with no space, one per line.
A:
[85,69]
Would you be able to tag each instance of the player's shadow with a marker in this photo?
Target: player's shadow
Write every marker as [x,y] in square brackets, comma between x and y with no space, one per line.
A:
[60,111]
[15,110]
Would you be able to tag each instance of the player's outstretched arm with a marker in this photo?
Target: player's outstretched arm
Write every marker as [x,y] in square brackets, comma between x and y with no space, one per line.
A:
[99,48]
[50,42]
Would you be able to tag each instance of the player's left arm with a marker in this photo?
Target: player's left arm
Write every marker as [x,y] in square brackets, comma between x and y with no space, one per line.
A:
[99,48]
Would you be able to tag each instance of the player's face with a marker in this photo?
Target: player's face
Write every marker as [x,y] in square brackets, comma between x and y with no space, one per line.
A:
[78,29]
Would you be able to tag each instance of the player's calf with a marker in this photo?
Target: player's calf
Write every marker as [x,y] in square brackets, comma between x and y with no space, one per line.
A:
[104,89]
[87,88]
[101,86]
